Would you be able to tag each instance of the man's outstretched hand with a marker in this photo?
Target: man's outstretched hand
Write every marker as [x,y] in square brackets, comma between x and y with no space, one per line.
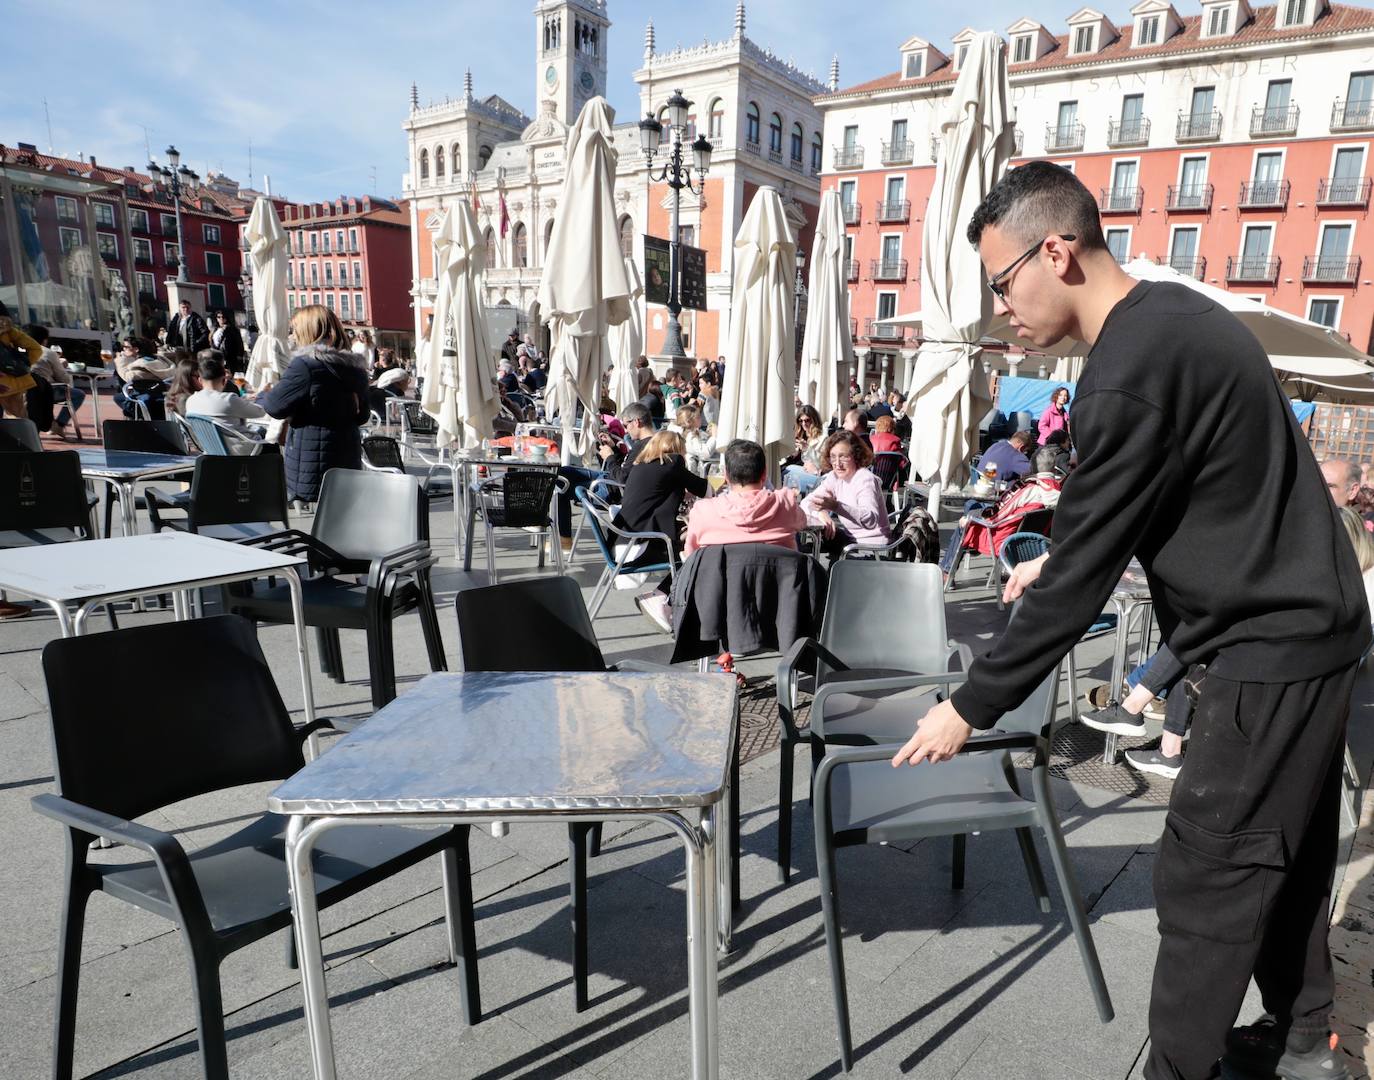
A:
[1022,577]
[940,734]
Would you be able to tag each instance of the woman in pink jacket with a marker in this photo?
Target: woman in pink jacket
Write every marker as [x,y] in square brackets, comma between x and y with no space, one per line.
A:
[1056,414]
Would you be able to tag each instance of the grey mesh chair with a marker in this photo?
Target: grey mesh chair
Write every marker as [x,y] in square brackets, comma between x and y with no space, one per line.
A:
[861,799]
[856,643]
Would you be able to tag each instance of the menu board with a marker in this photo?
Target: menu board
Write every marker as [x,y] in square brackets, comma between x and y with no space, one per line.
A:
[658,261]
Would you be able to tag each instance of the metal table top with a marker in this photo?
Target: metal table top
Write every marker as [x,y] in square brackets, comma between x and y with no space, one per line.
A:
[538,742]
[129,465]
[1133,584]
[146,563]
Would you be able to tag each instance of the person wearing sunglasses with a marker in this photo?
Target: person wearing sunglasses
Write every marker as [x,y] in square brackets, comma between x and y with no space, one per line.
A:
[1190,460]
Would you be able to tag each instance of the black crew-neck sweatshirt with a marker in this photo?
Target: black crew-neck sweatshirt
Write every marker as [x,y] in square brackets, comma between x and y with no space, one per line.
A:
[1190,458]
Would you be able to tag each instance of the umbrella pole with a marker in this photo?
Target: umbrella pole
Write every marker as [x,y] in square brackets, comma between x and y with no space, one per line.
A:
[933,498]
[567,447]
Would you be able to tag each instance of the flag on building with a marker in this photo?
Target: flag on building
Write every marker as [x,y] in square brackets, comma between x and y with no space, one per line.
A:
[505,218]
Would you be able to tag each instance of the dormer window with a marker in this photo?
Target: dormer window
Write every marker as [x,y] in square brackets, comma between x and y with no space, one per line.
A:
[1083,39]
[1299,12]
[914,65]
[1023,48]
[960,57]
[1147,30]
[1219,21]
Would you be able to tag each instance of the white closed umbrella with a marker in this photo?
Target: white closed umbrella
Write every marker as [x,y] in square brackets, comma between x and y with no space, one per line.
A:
[627,343]
[459,384]
[977,134]
[827,348]
[758,398]
[267,257]
[584,290]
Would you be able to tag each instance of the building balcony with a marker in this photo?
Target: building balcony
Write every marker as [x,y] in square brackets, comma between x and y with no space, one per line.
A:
[851,270]
[1252,268]
[900,152]
[1198,127]
[898,210]
[716,141]
[751,147]
[1060,138]
[1344,191]
[1020,145]
[1347,115]
[1268,123]
[853,329]
[795,165]
[1123,200]
[852,214]
[1191,265]
[1128,132]
[882,270]
[1184,197]
[849,157]
[775,156]
[1264,195]
[878,330]
[934,148]
[1331,270]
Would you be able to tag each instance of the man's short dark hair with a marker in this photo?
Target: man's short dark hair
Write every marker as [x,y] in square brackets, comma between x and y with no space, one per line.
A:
[210,363]
[745,462]
[637,414]
[1022,438]
[38,332]
[1036,200]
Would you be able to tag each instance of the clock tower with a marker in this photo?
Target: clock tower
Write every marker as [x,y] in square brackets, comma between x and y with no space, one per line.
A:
[570,49]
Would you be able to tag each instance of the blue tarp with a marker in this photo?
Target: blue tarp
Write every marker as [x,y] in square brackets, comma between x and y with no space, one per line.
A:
[1016,394]
[1303,410]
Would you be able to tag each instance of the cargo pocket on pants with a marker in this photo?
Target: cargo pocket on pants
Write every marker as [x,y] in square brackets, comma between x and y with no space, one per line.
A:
[1214,885]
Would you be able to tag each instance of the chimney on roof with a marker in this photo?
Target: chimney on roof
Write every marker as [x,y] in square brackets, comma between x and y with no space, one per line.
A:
[27,146]
[92,161]
[367,203]
[834,73]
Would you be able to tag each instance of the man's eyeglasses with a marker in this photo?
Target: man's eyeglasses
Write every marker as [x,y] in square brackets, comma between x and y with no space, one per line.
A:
[997,284]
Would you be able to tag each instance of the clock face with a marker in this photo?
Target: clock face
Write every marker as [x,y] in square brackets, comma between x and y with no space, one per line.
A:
[551,75]
[588,82]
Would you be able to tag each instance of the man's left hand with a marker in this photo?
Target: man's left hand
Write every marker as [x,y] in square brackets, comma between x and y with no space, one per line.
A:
[940,735]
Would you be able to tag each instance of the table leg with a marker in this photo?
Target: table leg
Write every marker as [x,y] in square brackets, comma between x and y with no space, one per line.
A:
[703,977]
[1124,610]
[293,583]
[64,619]
[724,844]
[300,842]
[95,405]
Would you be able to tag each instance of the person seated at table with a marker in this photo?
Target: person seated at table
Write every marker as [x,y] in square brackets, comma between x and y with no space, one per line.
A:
[901,421]
[1152,680]
[983,533]
[185,382]
[51,368]
[1059,442]
[143,376]
[651,502]
[652,399]
[216,400]
[617,460]
[877,406]
[884,438]
[394,382]
[856,422]
[1009,456]
[748,511]
[802,470]
[700,443]
[848,503]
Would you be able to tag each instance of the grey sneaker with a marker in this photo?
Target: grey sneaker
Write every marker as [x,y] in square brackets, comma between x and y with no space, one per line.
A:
[654,606]
[1114,719]
[1260,1051]
[1152,761]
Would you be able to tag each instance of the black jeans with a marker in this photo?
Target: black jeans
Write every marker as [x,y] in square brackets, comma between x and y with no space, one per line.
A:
[1243,876]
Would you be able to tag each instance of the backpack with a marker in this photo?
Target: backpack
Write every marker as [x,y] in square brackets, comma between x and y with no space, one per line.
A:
[13,362]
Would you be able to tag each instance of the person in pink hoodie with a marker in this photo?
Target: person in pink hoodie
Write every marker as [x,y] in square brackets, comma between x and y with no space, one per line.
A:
[748,513]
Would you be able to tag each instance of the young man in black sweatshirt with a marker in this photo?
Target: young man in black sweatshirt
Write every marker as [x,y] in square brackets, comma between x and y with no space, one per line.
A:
[1190,459]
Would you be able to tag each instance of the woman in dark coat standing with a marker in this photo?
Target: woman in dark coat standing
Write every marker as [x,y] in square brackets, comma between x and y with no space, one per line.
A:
[323,397]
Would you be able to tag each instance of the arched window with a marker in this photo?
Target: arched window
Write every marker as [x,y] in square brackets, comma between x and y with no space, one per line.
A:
[798,141]
[775,134]
[456,160]
[519,246]
[424,165]
[627,237]
[751,124]
[438,163]
[490,239]
[717,122]
[663,130]
[816,147]
[483,156]
[548,239]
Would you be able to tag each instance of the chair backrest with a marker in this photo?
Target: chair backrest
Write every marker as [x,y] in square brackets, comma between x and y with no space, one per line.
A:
[207,434]
[217,720]
[1021,547]
[526,495]
[888,615]
[238,490]
[42,491]
[19,435]
[535,624]
[383,452]
[1037,521]
[415,421]
[362,515]
[1035,715]
[890,470]
[143,436]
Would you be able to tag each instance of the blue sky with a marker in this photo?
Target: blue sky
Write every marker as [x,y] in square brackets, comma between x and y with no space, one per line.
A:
[320,89]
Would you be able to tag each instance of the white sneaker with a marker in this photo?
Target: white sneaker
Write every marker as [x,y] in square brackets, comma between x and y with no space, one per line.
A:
[655,607]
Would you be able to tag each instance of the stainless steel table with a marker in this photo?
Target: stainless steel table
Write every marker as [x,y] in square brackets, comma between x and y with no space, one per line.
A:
[94,376]
[122,469]
[1130,597]
[462,463]
[88,573]
[485,746]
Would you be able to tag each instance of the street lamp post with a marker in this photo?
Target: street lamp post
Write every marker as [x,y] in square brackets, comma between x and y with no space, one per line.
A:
[178,178]
[677,173]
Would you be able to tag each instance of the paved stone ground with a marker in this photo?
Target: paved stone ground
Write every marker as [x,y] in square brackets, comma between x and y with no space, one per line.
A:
[967,984]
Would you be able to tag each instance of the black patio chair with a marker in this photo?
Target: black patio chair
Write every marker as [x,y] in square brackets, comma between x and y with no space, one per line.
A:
[143,437]
[382,454]
[368,551]
[541,624]
[521,499]
[216,725]
[232,498]
[891,470]
[861,799]
[851,647]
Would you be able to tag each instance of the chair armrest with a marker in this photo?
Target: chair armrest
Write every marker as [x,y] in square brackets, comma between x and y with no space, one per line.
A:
[294,542]
[788,674]
[162,846]
[386,570]
[157,500]
[869,549]
[306,730]
[890,682]
[640,665]
[624,534]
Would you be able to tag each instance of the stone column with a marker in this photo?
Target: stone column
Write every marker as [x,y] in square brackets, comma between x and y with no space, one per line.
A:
[190,291]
